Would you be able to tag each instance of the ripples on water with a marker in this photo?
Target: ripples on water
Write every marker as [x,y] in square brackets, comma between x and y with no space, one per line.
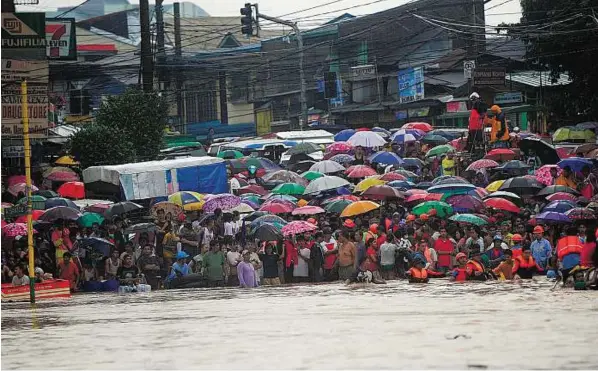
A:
[398,325]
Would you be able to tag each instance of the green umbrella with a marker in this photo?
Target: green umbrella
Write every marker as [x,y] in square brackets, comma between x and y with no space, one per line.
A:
[251,197]
[88,219]
[230,154]
[440,150]
[468,218]
[337,206]
[442,208]
[37,202]
[289,189]
[311,175]
[47,193]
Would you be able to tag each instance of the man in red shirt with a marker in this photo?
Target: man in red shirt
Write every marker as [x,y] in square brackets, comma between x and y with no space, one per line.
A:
[68,270]
[444,248]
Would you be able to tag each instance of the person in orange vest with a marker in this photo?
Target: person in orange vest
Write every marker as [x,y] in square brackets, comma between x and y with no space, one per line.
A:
[504,271]
[459,273]
[372,232]
[475,267]
[427,254]
[499,132]
[419,274]
[525,265]
[517,240]
[568,251]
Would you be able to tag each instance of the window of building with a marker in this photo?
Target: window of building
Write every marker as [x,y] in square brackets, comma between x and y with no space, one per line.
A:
[201,103]
[79,102]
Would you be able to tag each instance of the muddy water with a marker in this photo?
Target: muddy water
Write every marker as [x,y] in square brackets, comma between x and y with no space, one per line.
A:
[440,325]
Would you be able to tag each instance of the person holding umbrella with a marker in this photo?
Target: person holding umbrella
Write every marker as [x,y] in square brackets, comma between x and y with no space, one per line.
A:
[566,178]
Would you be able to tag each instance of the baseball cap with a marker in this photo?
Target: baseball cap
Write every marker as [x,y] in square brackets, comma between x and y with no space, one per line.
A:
[517,237]
[410,217]
[460,255]
[424,217]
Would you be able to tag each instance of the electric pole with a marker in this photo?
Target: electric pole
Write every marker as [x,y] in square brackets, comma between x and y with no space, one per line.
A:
[178,54]
[161,53]
[147,63]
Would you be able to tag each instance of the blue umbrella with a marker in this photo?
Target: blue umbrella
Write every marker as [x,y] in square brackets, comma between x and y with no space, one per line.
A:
[59,201]
[418,134]
[559,206]
[575,163]
[344,135]
[384,157]
[401,184]
[342,158]
[96,244]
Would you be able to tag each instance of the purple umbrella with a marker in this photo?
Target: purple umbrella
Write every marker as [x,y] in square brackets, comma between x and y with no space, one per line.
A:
[465,203]
[251,203]
[551,217]
[225,201]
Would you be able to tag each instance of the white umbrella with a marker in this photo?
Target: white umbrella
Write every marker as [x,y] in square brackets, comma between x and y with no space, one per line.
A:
[327,167]
[325,183]
[366,139]
[402,136]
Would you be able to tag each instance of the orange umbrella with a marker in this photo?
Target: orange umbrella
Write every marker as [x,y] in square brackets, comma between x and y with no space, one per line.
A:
[74,190]
[359,207]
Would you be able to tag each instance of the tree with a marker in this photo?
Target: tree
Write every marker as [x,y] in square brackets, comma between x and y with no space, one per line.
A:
[128,128]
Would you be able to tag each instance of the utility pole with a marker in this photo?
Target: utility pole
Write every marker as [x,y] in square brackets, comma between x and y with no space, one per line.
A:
[161,53]
[295,27]
[178,54]
[27,150]
[147,63]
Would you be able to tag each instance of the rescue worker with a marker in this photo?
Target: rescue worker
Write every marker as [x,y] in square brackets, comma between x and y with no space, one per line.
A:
[419,274]
[474,267]
[476,121]
[372,232]
[459,273]
[517,240]
[525,265]
[499,133]
[568,251]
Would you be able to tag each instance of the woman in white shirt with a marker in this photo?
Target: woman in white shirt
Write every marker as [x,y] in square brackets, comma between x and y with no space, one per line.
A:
[301,270]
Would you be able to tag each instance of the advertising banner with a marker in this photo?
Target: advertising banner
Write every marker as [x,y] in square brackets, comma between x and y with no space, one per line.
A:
[61,39]
[23,30]
[411,84]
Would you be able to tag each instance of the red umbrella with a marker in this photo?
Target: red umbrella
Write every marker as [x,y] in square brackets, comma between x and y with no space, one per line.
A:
[363,129]
[501,204]
[424,126]
[390,177]
[74,190]
[98,208]
[459,144]
[35,214]
[339,147]
[360,171]
[561,196]
[382,192]
[16,179]
[63,176]
[277,208]
[308,210]
[254,188]
[337,198]
[482,164]
[418,197]
[434,197]
[501,154]
[564,152]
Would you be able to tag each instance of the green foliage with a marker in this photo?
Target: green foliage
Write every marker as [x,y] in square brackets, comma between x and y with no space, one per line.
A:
[129,127]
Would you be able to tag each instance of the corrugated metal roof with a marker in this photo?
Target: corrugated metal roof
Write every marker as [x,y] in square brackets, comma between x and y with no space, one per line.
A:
[532,78]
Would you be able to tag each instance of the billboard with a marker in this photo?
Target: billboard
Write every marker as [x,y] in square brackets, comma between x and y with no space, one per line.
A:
[36,73]
[23,30]
[61,39]
[411,84]
[489,76]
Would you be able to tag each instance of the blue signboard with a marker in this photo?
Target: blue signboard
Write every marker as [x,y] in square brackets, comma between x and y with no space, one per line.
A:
[411,84]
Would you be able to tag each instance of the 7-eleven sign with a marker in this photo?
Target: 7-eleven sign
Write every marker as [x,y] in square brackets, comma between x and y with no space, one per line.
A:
[61,39]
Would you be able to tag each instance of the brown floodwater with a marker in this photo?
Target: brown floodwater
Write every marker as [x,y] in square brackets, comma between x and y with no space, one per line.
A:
[329,326]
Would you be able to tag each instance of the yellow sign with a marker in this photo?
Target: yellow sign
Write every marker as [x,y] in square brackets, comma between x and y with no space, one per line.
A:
[263,122]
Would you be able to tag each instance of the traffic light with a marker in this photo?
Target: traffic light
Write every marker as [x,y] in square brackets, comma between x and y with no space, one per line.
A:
[247,20]
[330,88]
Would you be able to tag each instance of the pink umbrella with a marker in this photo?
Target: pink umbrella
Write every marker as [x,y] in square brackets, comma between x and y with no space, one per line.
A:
[543,174]
[424,126]
[561,196]
[360,171]
[297,227]
[6,205]
[339,147]
[15,179]
[482,164]
[482,192]
[63,176]
[225,201]
[459,144]
[3,223]
[418,197]
[17,188]
[564,152]
[308,210]
[276,208]
[15,229]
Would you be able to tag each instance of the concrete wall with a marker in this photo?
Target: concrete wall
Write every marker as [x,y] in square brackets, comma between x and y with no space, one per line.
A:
[240,113]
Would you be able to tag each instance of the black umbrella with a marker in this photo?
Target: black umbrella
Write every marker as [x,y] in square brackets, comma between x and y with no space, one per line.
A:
[557,188]
[299,157]
[59,201]
[267,232]
[141,227]
[302,166]
[121,208]
[522,185]
[59,212]
[254,215]
[96,245]
[536,146]
[423,185]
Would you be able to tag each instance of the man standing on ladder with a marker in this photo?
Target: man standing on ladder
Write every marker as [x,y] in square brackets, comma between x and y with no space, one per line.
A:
[499,134]
[476,122]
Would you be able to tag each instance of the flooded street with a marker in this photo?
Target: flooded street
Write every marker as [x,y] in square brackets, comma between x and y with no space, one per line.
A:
[440,325]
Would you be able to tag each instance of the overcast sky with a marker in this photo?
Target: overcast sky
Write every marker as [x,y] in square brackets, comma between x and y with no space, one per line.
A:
[497,11]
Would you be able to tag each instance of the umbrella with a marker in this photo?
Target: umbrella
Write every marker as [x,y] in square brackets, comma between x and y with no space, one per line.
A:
[367,183]
[289,189]
[325,183]
[417,198]
[342,159]
[464,203]
[252,189]
[60,212]
[99,208]
[304,147]
[559,206]
[47,193]
[350,197]
[339,147]
[66,161]
[59,201]
[513,165]
[387,158]
[57,169]
[442,208]
[502,194]
[254,215]
[337,206]
[592,125]
[446,134]
[327,167]
[120,208]
[366,139]
[15,229]
[572,134]
[360,171]
[452,188]
[344,135]
[72,190]
[230,154]
[411,176]
[267,218]
[298,227]
[402,136]
[544,176]
[389,177]
[575,163]
[550,217]
[16,179]
[482,164]
[358,208]
[383,192]
[167,207]
[141,227]
[63,176]
[449,179]
[459,143]
[494,186]
[401,184]
[88,219]
[424,185]
[522,185]
[243,208]
[564,152]
[557,188]
[581,150]
[18,188]
[412,162]
[35,214]
[500,154]
[581,213]
[469,219]
[561,196]
[593,205]
[533,146]
[301,166]
[434,139]
[188,200]
[243,163]
[440,150]
[379,130]
[224,201]
[501,204]
[311,175]
[423,126]
[37,202]
[267,232]
[96,245]
[287,198]
[285,176]
[254,205]
[308,210]
[277,208]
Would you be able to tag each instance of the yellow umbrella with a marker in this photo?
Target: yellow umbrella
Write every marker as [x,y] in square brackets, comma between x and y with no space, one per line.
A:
[367,183]
[190,201]
[494,186]
[359,207]
[67,161]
